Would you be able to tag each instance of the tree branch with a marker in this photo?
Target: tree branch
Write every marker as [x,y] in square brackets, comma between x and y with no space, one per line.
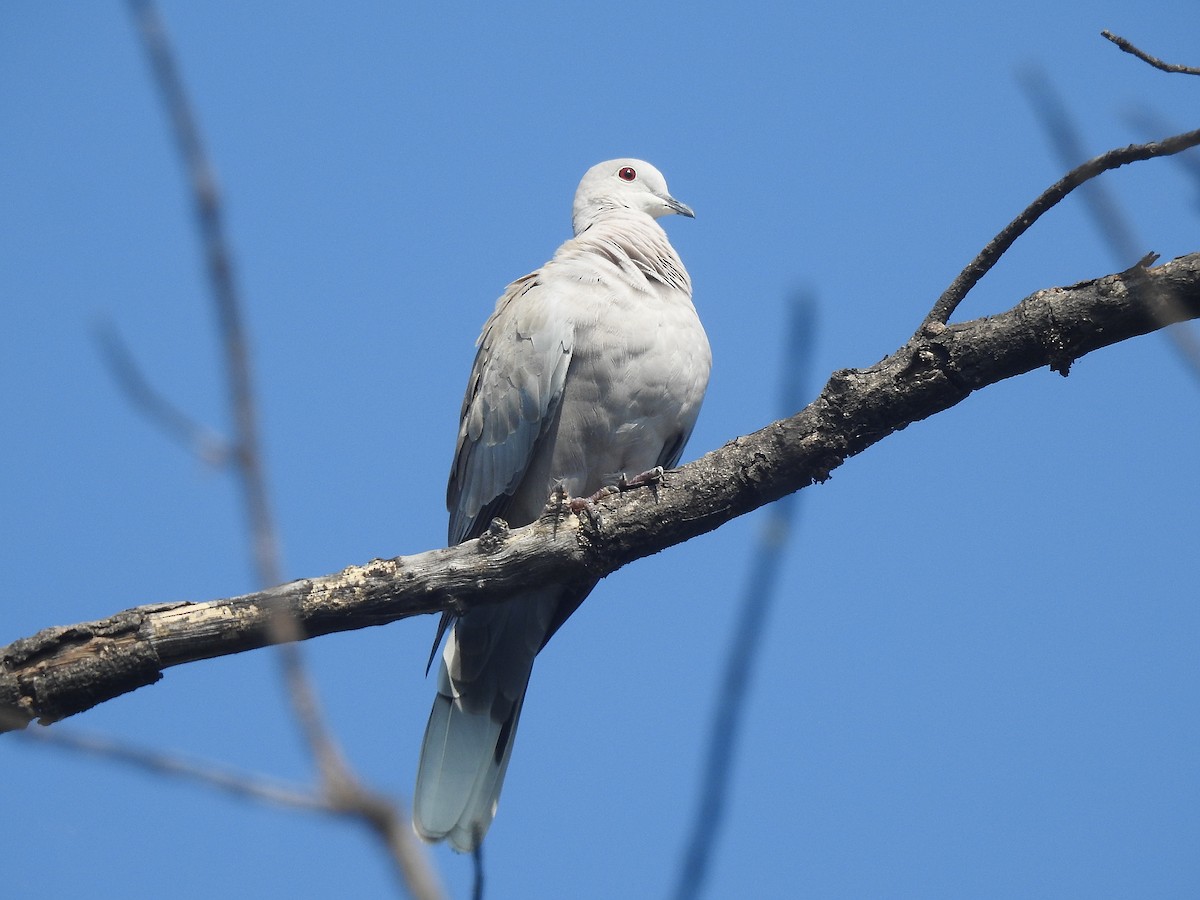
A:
[199,440]
[64,670]
[1102,205]
[998,246]
[1146,57]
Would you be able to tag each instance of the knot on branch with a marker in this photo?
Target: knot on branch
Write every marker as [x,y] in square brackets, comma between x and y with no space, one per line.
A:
[1038,311]
[494,538]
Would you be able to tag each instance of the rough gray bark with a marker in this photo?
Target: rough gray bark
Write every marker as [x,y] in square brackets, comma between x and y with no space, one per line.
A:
[64,670]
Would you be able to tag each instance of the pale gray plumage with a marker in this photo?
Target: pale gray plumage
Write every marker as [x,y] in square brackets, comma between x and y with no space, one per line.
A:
[592,367]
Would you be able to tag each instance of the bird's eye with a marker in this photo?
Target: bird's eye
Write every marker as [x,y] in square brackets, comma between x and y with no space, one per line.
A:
[627,174]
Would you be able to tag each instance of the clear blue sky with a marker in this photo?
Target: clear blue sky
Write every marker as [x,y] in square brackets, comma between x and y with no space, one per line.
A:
[981,679]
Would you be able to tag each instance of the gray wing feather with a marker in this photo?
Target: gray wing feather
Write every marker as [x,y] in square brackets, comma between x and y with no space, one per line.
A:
[512,396]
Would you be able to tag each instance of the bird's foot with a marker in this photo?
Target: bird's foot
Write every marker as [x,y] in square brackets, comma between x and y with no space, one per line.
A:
[587,505]
[651,478]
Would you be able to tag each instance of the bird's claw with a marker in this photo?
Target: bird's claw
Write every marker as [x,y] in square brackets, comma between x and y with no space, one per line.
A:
[587,506]
[649,478]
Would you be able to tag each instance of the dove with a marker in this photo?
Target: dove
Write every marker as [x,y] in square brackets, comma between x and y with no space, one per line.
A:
[590,369]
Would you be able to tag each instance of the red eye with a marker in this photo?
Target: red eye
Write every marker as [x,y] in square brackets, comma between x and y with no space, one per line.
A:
[627,174]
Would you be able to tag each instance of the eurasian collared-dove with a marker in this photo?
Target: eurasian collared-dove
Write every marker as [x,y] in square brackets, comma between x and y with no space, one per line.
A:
[591,367]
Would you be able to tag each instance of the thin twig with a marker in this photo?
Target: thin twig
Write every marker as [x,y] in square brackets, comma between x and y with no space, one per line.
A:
[477,871]
[1150,122]
[751,623]
[998,246]
[196,438]
[1146,57]
[1056,121]
[1105,212]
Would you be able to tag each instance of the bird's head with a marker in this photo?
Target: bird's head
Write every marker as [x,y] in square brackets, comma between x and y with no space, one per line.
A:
[624,184]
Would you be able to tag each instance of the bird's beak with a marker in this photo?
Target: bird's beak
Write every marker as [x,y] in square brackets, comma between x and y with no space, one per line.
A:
[675,206]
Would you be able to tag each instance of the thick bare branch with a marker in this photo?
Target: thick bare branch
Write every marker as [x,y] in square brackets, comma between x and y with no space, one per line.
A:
[65,670]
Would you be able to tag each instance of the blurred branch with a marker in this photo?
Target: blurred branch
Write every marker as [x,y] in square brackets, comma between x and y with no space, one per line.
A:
[1105,212]
[998,246]
[342,801]
[64,670]
[196,438]
[1056,120]
[1151,123]
[342,791]
[1146,57]
[241,785]
[752,621]
[210,220]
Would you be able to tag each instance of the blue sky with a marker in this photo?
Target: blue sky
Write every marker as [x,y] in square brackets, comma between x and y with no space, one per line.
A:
[980,678]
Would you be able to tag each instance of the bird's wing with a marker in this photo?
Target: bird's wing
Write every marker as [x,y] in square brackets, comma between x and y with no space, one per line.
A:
[512,397]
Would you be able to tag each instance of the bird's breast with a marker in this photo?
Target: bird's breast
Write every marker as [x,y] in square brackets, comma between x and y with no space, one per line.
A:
[634,386]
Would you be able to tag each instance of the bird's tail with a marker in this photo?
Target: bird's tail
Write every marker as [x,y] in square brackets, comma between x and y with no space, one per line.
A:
[482,678]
